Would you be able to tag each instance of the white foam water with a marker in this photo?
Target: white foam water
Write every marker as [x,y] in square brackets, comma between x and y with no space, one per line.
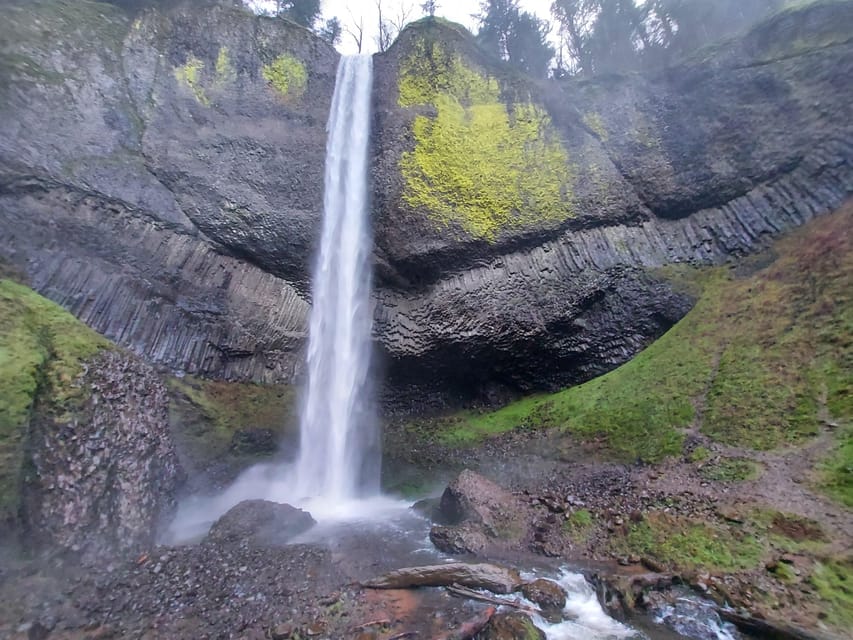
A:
[337,456]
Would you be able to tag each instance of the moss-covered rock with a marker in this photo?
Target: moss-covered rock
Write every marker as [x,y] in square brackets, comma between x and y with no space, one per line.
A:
[43,351]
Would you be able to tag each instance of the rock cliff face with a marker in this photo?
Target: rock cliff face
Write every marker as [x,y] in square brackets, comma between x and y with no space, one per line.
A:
[162,179]
[100,481]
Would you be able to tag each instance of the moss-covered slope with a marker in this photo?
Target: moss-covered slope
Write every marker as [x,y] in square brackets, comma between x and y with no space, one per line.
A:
[763,360]
[43,349]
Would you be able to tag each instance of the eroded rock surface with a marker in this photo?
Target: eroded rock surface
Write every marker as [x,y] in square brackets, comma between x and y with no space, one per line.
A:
[161,177]
[102,476]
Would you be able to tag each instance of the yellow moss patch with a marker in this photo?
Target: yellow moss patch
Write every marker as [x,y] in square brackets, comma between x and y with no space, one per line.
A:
[287,76]
[189,75]
[225,72]
[479,163]
[595,124]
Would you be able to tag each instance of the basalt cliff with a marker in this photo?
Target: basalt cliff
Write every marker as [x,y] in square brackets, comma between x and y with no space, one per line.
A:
[161,178]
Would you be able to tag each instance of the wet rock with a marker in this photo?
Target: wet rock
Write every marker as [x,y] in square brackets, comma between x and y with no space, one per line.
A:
[491,577]
[259,523]
[254,442]
[511,626]
[462,539]
[475,500]
[622,593]
[547,595]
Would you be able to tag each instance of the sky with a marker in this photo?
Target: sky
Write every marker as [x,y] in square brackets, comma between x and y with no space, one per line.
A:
[456,10]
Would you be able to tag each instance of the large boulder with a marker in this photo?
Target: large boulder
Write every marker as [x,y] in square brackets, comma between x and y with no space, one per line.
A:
[511,626]
[547,595]
[102,470]
[259,523]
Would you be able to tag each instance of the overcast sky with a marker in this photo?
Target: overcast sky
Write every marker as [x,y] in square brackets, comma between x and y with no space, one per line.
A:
[456,10]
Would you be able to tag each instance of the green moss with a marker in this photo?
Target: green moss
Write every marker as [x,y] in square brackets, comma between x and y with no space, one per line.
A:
[287,76]
[761,353]
[699,454]
[685,545]
[189,75]
[225,72]
[42,348]
[833,580]
[594,123]
[836,472]
[207,413]
[579,525]
[478,162]
[731,470]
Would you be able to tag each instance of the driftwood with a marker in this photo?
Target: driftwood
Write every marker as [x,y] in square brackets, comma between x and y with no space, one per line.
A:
[383,622]
[405,634]
[491,577]
[463,592]
[469,629]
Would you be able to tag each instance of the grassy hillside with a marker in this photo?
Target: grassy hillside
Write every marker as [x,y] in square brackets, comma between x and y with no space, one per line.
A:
[763,360]
[42,349]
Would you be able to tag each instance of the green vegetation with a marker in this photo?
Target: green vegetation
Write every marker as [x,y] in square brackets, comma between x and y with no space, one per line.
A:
[189,75]
[287,76]
[594,123]
[479,163]
[699,454]
[225,72]
[207,413]
[833,580]
[684,545]
[764,355]
[837,471]
[579,525]
[731,470]
[42,348]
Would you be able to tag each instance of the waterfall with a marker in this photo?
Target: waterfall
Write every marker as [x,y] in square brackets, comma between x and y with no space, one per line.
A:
[337,458]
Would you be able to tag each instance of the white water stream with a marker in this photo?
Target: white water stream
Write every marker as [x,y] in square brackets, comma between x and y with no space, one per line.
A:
[337,432]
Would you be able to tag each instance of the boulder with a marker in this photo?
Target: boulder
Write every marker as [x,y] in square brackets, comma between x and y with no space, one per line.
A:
[462,539]
[547,595]
[491,577]
[511,626]
[476,500]
[260,523]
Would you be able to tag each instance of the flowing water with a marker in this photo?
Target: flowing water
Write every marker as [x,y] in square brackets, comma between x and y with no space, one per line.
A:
[337,434]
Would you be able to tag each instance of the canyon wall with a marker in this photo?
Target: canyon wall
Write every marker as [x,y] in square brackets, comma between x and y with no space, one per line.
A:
[161,177]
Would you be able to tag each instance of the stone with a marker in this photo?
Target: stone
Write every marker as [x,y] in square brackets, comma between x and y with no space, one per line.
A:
[491,577]
[105,473]
[549,596]
[259,523]
[511,626]
[454,540]
[477,501]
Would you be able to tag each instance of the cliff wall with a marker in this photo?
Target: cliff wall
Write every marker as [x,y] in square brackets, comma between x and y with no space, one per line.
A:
[161,177]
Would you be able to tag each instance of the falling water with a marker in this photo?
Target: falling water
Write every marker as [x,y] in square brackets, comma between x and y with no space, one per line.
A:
[337,436]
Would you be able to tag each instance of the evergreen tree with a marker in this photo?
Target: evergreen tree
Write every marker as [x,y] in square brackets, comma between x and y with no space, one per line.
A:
[517,36]
[304,12]
[331,31]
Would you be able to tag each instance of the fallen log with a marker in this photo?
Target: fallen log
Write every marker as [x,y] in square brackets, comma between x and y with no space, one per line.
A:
[490,577]
[463,592]
[772,629]
[469,629]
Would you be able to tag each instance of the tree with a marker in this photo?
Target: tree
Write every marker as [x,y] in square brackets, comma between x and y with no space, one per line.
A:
[429,7]
[391,25]
[304,12]
[516,36]
[331,31]
[356,30]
